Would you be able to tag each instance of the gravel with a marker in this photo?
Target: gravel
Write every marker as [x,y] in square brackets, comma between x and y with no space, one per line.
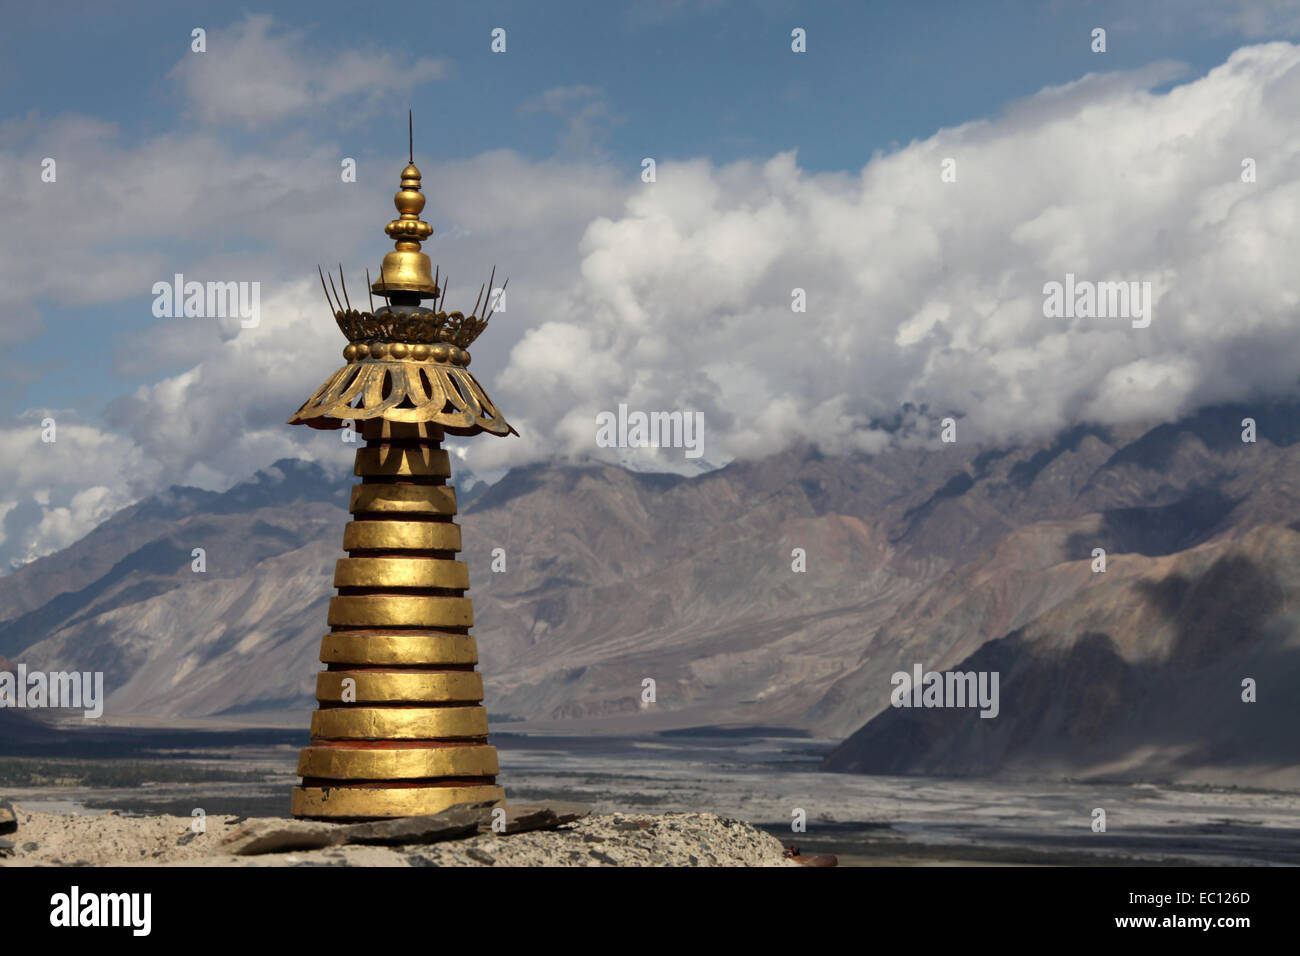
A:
[616,839]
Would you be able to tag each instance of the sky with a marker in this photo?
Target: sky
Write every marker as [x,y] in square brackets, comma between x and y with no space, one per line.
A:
[920,171]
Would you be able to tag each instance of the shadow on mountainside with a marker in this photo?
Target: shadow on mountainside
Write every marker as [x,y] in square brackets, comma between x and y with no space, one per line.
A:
[1084,704]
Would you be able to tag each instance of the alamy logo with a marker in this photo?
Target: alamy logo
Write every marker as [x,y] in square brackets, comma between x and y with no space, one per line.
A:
[103,909]
[653,430]
[1098,300]
[949,689]
[215,300]
[58,689]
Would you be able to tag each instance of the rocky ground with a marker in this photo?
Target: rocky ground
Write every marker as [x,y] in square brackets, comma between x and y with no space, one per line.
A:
[449,839]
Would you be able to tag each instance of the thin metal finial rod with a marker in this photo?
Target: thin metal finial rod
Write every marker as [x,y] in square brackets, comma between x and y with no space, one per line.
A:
[497,300]
[326,291]
[336,293]
[487,304]
[410,133]
[345,287]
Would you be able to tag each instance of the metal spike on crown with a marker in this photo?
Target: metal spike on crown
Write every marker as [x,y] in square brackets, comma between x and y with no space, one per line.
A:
[426,328]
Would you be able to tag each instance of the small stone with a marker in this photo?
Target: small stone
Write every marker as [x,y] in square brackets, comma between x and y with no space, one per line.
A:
[463,819]
[282,836]
[523,817]
[8,819]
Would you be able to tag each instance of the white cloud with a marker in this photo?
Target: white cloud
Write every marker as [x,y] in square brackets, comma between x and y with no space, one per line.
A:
[55,492]
[676,294]
[929,292]
[587,114]
[253,74]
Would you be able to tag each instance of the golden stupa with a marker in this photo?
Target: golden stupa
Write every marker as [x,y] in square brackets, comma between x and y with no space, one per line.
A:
[400,728]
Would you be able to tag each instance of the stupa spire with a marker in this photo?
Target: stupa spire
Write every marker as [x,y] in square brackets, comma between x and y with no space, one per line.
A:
[400,729]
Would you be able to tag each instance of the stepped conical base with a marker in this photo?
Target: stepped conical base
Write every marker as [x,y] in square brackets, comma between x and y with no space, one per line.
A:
[401,729]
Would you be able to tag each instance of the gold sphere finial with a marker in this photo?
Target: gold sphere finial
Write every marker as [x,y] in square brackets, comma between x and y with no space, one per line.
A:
[409,200]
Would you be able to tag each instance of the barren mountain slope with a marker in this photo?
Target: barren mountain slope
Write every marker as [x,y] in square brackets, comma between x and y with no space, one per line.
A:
[916,555]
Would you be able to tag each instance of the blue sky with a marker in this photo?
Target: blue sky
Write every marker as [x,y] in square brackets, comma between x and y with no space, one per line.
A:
[776,170]
[687,79]
[668,79]
[695,78]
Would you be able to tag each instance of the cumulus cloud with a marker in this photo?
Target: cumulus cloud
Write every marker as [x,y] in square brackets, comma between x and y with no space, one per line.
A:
[254,73]
[924,297]
[56,491]
[929,292]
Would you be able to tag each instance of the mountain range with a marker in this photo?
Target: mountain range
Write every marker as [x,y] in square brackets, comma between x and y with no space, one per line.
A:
[946,556]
